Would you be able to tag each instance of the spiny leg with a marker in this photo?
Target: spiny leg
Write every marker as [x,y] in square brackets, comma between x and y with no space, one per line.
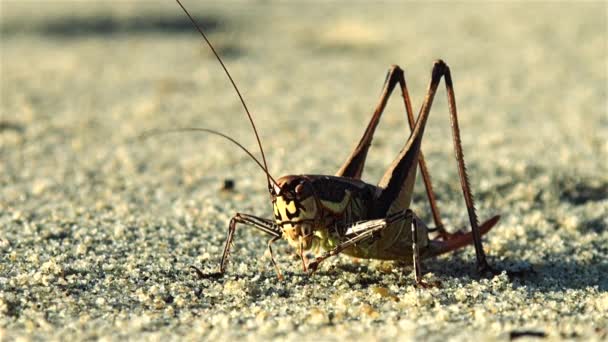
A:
[265,225]
[397,182]
[353,167]
[482,264]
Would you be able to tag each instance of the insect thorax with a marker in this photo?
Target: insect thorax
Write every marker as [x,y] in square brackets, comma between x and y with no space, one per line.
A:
[313,211]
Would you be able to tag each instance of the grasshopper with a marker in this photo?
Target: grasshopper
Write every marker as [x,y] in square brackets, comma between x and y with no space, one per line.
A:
[343,214]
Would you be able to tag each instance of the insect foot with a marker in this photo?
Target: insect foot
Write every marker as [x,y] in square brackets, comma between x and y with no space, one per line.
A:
[487,270]
[312,267]
[201,275]
[428,285]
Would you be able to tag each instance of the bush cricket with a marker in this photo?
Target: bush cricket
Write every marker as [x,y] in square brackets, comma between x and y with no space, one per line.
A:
[343,214]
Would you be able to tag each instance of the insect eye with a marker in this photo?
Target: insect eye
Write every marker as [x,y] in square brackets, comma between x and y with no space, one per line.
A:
[299,188]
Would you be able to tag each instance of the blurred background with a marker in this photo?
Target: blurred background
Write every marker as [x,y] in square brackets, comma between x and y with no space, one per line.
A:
[81,80]
[526,73]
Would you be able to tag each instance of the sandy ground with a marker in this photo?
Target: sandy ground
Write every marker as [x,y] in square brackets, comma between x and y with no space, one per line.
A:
[98,230]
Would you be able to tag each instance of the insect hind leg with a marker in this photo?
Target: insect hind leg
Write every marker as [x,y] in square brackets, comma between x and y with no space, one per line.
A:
[398,181]
[353,166]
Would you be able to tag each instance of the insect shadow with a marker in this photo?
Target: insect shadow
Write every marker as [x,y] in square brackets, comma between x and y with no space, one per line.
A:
[579,193]
[11,126]
[103,25]
[106,24]
[572,275]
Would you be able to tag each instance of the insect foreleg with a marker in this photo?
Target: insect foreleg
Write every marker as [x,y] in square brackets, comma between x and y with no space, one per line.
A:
[265,225]
[274,263]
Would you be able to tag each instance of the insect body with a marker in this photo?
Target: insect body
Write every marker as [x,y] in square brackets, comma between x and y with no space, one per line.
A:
[343,214]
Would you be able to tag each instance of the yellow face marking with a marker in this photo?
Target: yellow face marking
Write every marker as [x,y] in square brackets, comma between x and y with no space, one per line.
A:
[291,207]
[281,209]
[295,221]
[286,210]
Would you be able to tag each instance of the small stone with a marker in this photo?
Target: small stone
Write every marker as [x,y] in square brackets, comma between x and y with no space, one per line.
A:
[369,311]
[317,316]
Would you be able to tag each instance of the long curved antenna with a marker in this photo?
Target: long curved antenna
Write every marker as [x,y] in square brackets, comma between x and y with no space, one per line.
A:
[235,88]
[155,132]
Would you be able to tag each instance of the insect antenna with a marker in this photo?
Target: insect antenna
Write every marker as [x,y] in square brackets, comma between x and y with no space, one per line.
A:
[236,89]
[153,133]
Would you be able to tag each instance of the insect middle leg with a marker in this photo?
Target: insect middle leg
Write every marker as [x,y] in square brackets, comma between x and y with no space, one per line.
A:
[353,167]
[364,231]
[356,233]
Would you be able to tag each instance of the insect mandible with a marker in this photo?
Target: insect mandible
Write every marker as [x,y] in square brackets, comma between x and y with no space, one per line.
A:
[343,214]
